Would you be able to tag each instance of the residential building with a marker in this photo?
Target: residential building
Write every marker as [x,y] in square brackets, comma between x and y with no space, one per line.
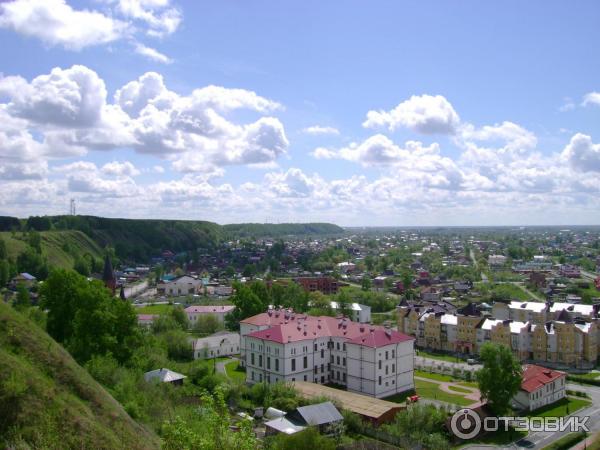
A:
[326,285]
[569,271]
[23,278]
[218,311]
[183,285]
[146,320]
[358,313]
[283,346]
[222,343]
[496,260]
[540,387]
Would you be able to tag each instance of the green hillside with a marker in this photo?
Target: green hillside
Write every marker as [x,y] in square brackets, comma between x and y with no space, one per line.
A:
[61,248]
[281,229]
[48,401]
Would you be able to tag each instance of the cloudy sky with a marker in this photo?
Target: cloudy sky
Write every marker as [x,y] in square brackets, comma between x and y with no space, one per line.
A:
[353,112]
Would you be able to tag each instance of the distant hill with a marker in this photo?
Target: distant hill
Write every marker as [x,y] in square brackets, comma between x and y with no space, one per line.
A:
[48,401]
[281,229]
[138,239]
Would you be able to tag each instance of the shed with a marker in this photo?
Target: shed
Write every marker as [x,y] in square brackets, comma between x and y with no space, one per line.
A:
[164,376]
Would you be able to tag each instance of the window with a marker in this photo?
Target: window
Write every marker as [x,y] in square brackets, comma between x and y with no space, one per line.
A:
[277,365]
[260,377]
[393,353]
[386,354]
[380,365]
[338,374]
[331,358]
[322,368]
[305,362]
[322,353]
[252,358]
[379,380]
[259,360]
[338,360]
[268,362]
[344,362]
[393,368]
[293,364]
[304,377]
[386,369]
[252,375]
[338,346]
[344,346]
[344,377]
[316,369]
[315,347]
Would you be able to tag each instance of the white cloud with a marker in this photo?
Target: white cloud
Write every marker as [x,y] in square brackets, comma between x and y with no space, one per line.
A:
[152,54]
[591,98]
[160,16]
[318,130]
[425,114]
[120,169]
[582,154]
[56,23]
[510,136]
[71,97]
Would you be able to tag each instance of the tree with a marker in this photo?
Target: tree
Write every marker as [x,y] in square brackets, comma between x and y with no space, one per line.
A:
[3,251]
[249,271]
[366,283]
[210,430]
[23,299]
[247,304]
[32,262]
[4,273]
[35,241]
[500,378]
[82,266]
[207,324]
[86,319]
[309,438]
[344,303]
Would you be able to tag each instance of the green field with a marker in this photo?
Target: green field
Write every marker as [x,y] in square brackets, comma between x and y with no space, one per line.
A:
[153,309]
[432,391]
[459,389]
[561,408]
[234,371]
[565,442]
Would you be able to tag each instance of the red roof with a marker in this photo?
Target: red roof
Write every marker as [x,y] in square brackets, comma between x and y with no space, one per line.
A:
[147,316]
[536,377]
[209,309]
[301,327]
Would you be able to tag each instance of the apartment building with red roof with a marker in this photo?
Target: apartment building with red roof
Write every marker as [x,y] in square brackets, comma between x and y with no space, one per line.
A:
[280,345]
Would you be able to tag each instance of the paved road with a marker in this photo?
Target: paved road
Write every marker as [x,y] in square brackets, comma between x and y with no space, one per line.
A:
[136,289]
[538,440]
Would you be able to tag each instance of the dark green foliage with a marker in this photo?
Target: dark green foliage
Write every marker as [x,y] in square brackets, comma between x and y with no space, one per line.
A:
[280,229]
[83,266]
[32,262]
[9,223]
[86,318]
[500,378]
[4,272]
[38,223]
[307,439]
[422,424]
[22,299]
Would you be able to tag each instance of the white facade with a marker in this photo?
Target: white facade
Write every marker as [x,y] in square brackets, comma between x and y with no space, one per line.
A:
[219,344]
[183,285]
[368,360]
[359,313]
[546,394]
[194,312]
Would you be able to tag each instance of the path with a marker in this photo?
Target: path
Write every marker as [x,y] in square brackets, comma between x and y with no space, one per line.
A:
[220,365]
[446,386]
[527,291]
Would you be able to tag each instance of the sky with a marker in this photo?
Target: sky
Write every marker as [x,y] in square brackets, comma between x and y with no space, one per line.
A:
[358,113]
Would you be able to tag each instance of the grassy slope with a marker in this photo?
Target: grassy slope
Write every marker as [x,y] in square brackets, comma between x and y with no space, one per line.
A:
[48,401]
[53,246]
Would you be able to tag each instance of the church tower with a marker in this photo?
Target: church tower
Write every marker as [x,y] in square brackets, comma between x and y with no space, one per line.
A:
[108,275]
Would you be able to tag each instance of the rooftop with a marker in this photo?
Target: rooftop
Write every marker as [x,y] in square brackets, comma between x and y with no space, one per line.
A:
[535,377]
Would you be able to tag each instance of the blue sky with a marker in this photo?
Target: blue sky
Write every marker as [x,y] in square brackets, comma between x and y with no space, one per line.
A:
[358,113]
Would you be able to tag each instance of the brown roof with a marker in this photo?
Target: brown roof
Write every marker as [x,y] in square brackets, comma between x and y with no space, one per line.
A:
[535,377]
[364,405]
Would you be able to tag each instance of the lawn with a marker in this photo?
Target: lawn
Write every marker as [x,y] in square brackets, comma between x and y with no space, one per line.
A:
[235,372]
[561,408]
[432,391]
[459,389]
[446,378]
[500,438]
[153,309]
[589,375]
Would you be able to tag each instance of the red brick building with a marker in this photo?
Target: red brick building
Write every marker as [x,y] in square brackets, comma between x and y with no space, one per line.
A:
[327,285]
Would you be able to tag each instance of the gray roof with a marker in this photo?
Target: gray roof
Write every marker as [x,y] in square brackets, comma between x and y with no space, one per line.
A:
[163,375]
[320,413]
[214,340]
[284,425]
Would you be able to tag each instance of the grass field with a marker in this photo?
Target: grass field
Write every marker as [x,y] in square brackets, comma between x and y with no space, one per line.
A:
[567,441]
[235,372]
[153,309]
[432,391]
[459,389]
[561,408]
[446,378]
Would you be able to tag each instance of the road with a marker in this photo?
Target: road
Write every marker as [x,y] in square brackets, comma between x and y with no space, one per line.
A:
[541,439]
[136,289]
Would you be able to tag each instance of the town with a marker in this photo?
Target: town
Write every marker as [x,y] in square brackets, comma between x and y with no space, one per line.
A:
[367,325]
